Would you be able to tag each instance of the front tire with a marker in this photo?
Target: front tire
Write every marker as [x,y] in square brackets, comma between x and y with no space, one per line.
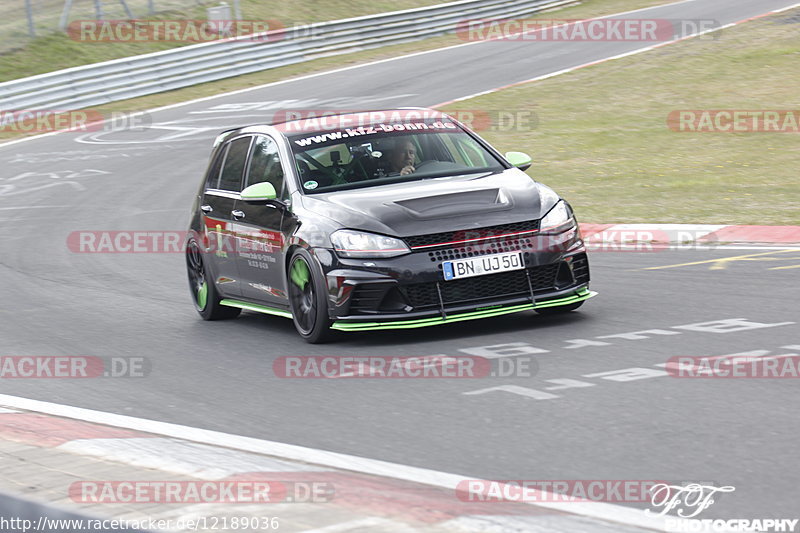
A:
[204,292]
[308,298]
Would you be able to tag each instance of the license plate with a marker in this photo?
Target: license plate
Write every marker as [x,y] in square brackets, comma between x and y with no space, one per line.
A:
[479,266]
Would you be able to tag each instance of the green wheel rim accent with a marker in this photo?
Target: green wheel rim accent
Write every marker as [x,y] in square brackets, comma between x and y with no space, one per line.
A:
[302,296]
[202,295]
[197,276]
[300,274]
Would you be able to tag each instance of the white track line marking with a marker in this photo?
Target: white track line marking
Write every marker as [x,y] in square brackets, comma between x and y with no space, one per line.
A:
[598,510]
[530,524]
[326,72]
[32,207]
[787,8]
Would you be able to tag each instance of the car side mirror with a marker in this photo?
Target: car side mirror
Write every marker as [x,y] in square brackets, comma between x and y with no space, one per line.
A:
[259,193]
[520,160]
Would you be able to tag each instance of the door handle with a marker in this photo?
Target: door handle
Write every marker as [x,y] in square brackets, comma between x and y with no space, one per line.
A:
[206,208]
[237,214]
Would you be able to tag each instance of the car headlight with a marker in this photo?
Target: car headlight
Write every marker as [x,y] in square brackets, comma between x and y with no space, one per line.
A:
[351,243]
[558,219]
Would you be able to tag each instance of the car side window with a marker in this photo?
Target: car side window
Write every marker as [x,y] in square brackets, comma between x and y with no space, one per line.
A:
[265,164]
[470,151]
[457,155]
[212,181]
[233,167]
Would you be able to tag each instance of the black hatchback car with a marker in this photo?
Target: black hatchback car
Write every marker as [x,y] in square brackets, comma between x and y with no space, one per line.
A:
[392,219]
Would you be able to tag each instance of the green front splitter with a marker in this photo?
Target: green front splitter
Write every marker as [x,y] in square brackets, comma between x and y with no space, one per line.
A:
[579,296]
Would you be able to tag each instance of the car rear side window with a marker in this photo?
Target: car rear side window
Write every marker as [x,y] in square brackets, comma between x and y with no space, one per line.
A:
[233,167]
[212,181]
[265,164]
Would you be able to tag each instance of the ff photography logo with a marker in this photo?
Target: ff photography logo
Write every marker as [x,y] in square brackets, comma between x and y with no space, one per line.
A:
[690,500]
[687,500]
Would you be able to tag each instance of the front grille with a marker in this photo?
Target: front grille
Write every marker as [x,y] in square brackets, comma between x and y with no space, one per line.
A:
[494,247]
[433,239]
[491,287]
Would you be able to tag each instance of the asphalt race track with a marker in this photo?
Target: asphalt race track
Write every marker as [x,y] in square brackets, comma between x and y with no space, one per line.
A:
[602,424]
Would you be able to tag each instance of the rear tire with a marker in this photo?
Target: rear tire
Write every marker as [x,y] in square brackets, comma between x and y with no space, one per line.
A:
[561,309]
[204,293]
[308,297]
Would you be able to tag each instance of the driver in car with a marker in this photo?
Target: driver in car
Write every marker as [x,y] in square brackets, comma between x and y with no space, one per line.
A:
[401,158]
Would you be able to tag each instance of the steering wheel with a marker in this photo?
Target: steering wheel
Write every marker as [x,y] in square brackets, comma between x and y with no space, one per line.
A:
[426,164]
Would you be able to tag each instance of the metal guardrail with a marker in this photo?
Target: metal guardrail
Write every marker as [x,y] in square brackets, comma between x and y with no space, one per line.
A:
[131,77]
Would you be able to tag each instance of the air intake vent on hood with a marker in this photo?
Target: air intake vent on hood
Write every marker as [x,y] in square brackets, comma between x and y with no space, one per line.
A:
[456,203]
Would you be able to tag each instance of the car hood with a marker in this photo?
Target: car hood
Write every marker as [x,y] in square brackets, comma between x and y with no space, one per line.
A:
[437,205]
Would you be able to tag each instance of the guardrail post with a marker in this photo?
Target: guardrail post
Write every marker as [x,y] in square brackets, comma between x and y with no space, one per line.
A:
[62,23]
[126,8]
[29,10]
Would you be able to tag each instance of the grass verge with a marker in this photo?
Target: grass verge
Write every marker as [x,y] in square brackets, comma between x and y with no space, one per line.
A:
[603,142]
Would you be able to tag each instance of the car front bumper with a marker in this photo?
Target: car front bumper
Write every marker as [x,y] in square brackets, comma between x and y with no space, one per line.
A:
[410,292]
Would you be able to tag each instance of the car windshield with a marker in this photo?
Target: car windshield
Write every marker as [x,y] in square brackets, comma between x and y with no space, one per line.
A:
[383,153]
